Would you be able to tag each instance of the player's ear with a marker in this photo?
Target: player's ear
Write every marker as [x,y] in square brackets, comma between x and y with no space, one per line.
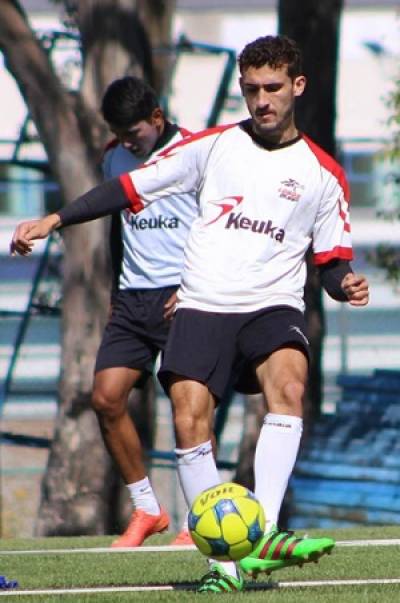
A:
[157,116]
[299,84]
[241,85]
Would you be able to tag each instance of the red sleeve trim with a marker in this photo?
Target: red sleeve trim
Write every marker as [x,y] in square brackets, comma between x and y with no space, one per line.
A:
[337,253]
[131,193]
[330,164]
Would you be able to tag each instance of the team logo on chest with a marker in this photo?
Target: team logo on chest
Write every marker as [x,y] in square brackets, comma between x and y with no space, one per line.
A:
[238,221]
[266,227]
[225,205]
[290,189]
[157,222]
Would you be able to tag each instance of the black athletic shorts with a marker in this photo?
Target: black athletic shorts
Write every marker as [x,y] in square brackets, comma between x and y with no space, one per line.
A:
[222,349]
[136,330]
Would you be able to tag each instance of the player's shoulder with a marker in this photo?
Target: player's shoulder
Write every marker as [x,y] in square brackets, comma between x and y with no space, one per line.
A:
[331,168]
[212,131]
[110,146]
[118,160]
[206,135]
[324,159]
[113,152]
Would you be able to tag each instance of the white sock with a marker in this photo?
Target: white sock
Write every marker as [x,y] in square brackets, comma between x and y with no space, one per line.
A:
[143,497]
[185,527]
[275,456]
[197,470]
[229,567]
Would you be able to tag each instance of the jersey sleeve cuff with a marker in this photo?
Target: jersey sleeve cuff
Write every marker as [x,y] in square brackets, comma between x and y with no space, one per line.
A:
[337,253]
[131,193]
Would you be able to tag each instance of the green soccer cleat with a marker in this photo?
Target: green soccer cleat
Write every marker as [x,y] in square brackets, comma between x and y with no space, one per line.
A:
[278,550]
[217,581]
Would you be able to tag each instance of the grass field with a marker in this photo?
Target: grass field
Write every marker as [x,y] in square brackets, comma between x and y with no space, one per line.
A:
[57,564]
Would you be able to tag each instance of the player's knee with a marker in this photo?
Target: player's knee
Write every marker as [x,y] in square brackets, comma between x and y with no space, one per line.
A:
[106,405]
[292,393]
[191,402]
[185,423]
[190,429]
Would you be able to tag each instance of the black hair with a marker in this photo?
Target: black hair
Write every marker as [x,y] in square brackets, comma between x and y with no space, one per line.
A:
[275,51]
[128,100]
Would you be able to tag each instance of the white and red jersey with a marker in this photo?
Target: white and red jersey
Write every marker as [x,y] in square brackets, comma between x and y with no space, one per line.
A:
[260,210]
[153,242]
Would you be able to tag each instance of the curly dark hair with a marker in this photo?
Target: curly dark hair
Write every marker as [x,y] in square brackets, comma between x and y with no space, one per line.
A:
[274,51]
[128,100]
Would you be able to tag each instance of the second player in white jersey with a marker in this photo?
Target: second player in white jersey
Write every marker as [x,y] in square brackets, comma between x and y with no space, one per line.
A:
[159,264]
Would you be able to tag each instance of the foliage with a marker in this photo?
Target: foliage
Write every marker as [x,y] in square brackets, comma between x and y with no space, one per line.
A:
[394,121]
[385,256]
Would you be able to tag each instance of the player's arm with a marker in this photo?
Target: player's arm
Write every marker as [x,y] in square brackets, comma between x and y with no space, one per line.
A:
[332,243]
[174,173]
[340,282]
[100,201]
[170,306]
[177,170]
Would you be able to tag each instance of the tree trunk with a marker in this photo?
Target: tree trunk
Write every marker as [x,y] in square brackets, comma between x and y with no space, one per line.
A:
[127,50]
[157,17]
[78,484]
[94,503]
[315,27]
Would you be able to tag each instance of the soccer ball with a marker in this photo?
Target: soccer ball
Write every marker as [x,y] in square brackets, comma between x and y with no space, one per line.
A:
[226,522]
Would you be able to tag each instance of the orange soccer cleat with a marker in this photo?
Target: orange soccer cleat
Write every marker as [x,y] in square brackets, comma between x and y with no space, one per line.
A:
[141,526]
[182,538]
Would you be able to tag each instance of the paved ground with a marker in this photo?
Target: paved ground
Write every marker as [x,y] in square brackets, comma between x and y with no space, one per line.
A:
[20,477]
[22,469]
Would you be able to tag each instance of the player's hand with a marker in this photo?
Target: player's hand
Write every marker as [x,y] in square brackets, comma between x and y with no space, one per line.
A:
[27,232]
[356,288]
[170,306]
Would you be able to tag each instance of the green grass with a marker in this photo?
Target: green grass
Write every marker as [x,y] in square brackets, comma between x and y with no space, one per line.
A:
[182,568]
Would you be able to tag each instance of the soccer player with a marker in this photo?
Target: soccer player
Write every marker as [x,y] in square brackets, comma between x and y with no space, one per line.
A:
[266,194]
[147,258]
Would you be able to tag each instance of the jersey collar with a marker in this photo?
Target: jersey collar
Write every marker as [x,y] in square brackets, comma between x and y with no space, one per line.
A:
[169,132]
[246,126]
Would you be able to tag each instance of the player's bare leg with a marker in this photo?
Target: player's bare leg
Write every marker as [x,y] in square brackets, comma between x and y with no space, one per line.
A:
[110,402]
[193,409]
[111,389]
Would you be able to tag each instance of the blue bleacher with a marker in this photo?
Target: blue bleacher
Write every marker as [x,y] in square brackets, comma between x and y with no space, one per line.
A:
[348,473]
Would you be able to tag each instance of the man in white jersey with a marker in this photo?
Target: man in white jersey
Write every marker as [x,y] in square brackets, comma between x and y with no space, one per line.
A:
[147,258]
[266,194]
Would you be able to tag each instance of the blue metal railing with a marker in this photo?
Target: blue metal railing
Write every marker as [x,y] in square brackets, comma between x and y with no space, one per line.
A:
[25,316]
